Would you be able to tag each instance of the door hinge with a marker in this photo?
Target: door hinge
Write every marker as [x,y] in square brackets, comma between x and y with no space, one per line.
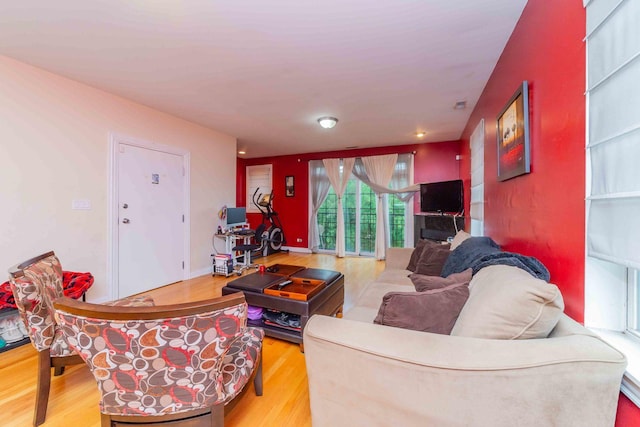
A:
[183,265]
[182,218]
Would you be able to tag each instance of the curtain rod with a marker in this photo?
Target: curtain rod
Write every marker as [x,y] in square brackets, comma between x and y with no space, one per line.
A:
[414,152]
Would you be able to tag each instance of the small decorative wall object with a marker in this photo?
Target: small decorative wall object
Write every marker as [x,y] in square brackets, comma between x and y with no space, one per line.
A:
[513,135]
[289,186]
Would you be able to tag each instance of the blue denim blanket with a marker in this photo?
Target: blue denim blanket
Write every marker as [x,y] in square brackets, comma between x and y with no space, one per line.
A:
[479,252]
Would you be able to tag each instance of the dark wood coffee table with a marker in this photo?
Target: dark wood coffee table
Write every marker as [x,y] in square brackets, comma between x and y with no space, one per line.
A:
[328,301]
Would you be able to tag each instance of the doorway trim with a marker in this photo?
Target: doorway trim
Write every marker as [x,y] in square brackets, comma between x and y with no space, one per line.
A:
[115,140]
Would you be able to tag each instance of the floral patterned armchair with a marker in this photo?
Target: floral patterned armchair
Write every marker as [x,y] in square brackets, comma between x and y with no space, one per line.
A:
[35,284]
[166,363]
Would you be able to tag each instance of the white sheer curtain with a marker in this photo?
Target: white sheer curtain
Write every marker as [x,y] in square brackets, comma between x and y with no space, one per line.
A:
[400,181]
[400,185]
[339,171]
[379,170]
[403,190]
[319,186]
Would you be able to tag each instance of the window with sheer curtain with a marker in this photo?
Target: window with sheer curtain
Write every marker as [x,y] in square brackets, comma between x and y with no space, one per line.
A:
[477,180]
[360,208]
[613,176]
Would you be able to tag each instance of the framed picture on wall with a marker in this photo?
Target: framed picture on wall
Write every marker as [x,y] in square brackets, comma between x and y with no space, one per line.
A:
[513,135]
[289,186]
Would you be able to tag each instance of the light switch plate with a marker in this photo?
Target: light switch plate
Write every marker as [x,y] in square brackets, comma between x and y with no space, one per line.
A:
[81,204]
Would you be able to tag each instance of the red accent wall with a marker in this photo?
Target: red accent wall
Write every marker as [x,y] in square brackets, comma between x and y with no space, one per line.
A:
[433,162]
[541,213]
[628,413]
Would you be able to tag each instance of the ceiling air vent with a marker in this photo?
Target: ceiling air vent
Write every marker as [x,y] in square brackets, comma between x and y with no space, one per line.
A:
[460,105]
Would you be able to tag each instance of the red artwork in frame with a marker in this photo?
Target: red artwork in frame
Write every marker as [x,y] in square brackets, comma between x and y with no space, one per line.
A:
[513,135]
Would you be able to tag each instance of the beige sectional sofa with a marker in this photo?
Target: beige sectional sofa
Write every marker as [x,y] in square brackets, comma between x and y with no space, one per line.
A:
[366,374]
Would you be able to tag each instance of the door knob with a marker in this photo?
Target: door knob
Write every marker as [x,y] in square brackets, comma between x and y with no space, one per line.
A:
[125,220]
[125,206]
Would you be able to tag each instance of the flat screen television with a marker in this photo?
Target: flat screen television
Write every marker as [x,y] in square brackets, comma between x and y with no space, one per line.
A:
[236,216]
[442,197]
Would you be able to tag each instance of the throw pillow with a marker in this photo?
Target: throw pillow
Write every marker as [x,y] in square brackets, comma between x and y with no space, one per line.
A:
[506,302]
[433,311]
[424,283]
[423,245]
[415,255]
[432,260]
[460,237]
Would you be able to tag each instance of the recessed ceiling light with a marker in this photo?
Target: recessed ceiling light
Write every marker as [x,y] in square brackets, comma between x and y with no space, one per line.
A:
[420,134]
[242,152]
[327,122]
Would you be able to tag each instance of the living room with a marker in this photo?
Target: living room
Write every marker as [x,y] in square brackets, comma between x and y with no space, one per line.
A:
[55,149]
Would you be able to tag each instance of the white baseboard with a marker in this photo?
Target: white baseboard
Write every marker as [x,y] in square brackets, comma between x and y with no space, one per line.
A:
[201,272]
[297,249]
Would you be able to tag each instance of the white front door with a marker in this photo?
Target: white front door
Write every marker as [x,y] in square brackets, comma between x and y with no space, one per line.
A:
[150,219]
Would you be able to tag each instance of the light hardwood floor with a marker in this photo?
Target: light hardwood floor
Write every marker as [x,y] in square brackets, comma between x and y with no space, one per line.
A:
[74,396]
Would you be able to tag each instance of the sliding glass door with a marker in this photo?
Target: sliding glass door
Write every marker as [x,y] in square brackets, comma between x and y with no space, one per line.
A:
[359,203]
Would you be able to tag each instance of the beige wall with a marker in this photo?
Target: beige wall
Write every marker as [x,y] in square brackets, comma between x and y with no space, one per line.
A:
[54,140]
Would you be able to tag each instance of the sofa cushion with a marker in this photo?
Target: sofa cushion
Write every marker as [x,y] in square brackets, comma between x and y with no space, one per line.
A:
[361,314]
[425,283]
[460,237]
[371,295]
[423,245]
[415,255]
[432,260]
[368,301]
[433,311]
[506,302]
[395,276]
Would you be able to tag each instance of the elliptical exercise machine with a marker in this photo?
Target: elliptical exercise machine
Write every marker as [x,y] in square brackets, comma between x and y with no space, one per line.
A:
[273,236]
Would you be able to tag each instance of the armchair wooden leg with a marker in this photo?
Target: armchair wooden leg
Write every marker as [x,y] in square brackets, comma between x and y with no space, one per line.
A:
[58,370]
[105,420]
[217,415]
[43,387]
[257,379]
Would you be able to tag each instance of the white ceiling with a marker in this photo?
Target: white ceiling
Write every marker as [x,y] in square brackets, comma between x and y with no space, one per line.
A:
[264,71]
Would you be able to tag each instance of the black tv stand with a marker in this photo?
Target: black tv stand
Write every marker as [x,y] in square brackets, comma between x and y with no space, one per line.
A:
[436,226]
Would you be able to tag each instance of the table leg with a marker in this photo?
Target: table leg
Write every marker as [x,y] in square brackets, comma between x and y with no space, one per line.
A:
[339,313]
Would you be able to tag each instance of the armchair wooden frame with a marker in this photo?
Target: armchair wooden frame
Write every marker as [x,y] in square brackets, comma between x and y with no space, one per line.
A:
[45,360]
[210,416]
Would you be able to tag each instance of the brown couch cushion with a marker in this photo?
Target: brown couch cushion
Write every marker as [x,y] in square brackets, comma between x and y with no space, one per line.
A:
[506,302]
[433,311]
[423,245]
[432,260]
[425,283]
[415,255]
